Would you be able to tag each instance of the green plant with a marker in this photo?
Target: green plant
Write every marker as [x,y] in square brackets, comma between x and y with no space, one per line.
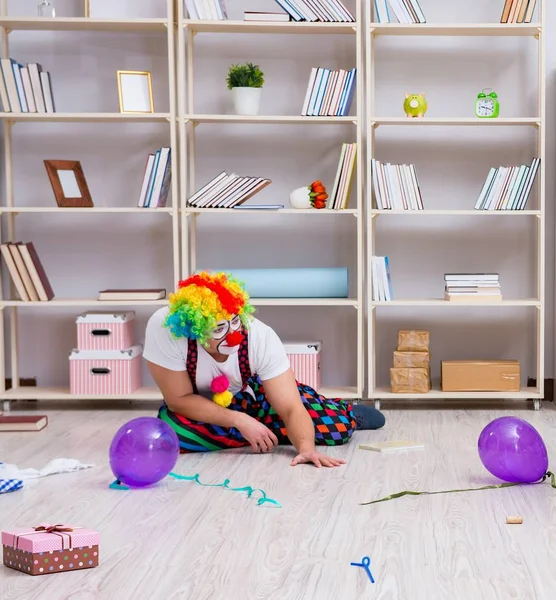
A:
[247,75]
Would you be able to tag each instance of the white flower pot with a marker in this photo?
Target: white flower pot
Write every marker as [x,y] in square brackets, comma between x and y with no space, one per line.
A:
[300,198]
[246,100]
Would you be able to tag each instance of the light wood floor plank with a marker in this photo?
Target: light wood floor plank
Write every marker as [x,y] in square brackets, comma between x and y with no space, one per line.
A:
[181,540]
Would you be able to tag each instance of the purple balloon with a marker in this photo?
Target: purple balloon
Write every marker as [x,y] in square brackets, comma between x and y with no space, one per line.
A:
[143,451]
[513,450]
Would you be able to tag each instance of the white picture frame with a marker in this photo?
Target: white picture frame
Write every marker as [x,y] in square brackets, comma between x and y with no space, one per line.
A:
[135,92]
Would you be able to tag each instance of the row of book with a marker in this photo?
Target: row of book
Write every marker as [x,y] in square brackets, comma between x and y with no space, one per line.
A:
[206,10]
[508,188]
[381,279]
[396,186]
[327,11]
[518,11]
[227,191]
[156,180]
[465,287]
[329,93]
[405,11]
[26,271]
[25,89]
[339,198]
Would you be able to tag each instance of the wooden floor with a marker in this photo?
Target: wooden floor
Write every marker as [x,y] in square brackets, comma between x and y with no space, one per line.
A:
[181,540]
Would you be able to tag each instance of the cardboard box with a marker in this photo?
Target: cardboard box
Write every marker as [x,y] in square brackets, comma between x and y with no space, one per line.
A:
[480,376]
[304,360]
[49,549]
[413,341]
[407,381]
[414,360]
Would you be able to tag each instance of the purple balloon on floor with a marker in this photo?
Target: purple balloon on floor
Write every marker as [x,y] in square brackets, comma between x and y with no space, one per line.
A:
[513,450]
[143,451]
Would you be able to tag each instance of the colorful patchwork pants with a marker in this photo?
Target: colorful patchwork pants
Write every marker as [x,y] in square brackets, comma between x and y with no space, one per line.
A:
[334,421]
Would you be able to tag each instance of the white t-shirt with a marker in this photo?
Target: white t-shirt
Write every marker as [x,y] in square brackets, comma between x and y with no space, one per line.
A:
[267,355]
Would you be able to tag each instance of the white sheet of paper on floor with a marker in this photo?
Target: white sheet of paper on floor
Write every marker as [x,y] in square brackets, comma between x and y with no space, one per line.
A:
[391,446]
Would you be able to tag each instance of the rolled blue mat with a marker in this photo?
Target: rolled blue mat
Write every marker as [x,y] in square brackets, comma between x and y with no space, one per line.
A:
[324,282]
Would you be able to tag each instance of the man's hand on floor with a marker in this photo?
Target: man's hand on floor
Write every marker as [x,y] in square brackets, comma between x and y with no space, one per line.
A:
[318,459]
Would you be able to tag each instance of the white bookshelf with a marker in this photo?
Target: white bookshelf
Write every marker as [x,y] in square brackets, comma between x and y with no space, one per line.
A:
[190,120]
[8,212]
[373,217]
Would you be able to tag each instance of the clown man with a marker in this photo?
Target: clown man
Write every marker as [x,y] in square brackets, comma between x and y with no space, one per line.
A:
[227,382]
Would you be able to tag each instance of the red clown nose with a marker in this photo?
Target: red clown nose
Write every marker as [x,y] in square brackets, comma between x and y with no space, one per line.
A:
[235,338]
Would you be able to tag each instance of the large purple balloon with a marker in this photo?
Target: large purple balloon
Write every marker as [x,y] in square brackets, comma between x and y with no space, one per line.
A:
[513,450]
[143,451]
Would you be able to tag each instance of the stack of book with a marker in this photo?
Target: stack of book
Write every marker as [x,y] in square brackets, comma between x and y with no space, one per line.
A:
[25,89]
[508,188]
[518,11]
[382,279]
[329,11]
[396,187]
[406,11]
[465,287]
[344,175]
[227,191]
[156,180]
[329,93]
[27,272]
[206,10]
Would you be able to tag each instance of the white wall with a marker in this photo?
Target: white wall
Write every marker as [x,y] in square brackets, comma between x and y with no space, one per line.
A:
[84,253]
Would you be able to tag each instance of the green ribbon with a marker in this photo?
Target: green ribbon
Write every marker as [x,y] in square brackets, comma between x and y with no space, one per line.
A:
[486,487]
[248,489]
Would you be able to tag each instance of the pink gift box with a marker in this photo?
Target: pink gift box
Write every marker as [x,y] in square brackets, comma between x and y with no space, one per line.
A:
[305,362]
[105,330]
[105,373]
[50,548]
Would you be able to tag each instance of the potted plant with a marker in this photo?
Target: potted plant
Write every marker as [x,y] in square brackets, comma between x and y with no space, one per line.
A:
[246,82]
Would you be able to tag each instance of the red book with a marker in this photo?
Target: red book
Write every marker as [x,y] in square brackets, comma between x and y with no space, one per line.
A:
[23,423]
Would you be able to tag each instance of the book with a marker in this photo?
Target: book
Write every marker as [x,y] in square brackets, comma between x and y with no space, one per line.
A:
[227,191]
[330,11]
[157,179]
[27,272]
[266,17]
[23,423]
[518,11]
[467,287]
[329,93]
[391,446]
[339,198]
[130,294]
[395,187]
[405,11]
[206,10]
[25,88]
[381,279]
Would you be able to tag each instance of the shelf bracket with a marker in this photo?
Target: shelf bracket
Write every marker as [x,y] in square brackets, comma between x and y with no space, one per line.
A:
[7,30]
[374,124]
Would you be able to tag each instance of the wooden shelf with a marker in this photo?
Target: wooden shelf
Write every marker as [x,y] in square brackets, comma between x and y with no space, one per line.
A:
[74,209]
[70,302]
[456,122]
[280,211]
[102,117]
[457,29]
[304,302]
[83,24]
[441,302]
[270,119]
[269,27]
[385,393]
[434,212]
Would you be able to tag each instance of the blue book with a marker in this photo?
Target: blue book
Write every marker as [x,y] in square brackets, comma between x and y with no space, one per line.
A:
[152,180]
[344,110]
[322,90]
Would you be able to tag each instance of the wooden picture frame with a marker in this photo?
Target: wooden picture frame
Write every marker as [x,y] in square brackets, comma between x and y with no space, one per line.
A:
[68,183]
[135,92]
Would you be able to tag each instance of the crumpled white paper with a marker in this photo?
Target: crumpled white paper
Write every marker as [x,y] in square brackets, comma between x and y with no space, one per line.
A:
[55,466]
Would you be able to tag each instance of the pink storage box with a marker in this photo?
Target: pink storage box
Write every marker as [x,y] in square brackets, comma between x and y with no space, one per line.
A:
[106,372]
[305,362]
[105,330]
[49,549]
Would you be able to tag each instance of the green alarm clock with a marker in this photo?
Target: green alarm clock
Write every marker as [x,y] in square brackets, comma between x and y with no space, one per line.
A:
[487,105]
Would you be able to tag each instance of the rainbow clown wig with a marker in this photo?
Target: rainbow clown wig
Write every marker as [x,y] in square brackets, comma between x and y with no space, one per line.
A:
[203,300]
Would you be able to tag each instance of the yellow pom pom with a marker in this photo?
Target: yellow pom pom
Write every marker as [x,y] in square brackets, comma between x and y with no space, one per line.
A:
[223,399]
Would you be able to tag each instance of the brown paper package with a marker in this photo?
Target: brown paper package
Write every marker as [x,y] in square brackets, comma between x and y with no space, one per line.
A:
[413,340]
[481,376]
[419,360]
[407,381]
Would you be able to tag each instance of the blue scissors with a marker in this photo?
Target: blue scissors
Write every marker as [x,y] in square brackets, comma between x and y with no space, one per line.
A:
[365,563]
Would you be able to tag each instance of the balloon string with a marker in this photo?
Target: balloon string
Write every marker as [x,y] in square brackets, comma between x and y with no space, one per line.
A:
[226,484]
[486,487]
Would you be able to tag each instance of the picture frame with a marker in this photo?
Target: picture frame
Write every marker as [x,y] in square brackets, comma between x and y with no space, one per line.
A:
[135,92]
[68,183]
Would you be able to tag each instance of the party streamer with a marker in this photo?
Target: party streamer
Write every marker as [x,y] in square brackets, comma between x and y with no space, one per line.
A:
[486,487]
[248,489]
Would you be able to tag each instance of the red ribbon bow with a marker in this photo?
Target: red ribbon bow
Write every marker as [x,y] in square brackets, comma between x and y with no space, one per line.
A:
[59,528]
